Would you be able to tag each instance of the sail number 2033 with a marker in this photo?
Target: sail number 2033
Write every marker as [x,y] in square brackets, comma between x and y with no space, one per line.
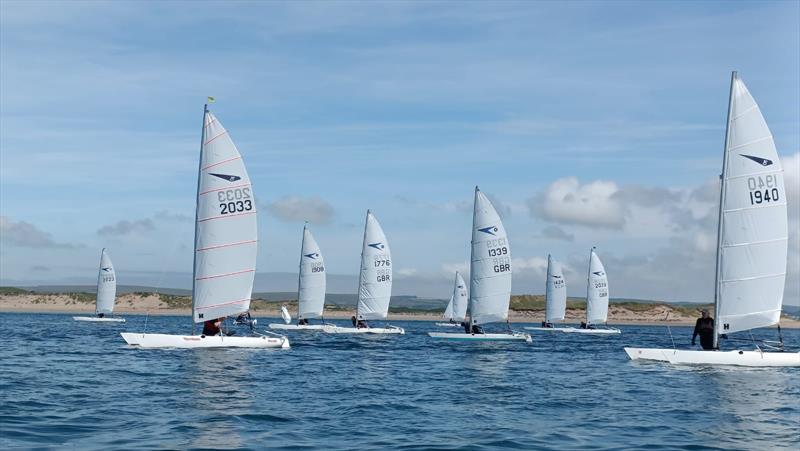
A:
[234,200]
[763,189]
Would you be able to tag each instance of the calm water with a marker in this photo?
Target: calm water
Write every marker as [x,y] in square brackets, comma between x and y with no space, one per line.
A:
[77,385]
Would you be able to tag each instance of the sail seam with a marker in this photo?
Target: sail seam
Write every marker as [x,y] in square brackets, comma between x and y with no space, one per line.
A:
[226,187]
[755,105]
[752,174]
[226,245]
[755,242]
[749,143]
[222,162]
[211,122]
[226,216]
[221,304]
[734,210]
[744,279]
[209,141]
[751,313]
[217,276]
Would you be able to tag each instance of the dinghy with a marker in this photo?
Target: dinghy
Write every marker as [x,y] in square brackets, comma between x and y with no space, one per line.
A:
[374,283]
[752,243]
[456,311]
[225,247]
[489,276]
[106,294]
[310,287]
[555,297]
[596,301]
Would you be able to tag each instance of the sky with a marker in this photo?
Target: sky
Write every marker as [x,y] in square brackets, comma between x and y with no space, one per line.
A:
[587,124]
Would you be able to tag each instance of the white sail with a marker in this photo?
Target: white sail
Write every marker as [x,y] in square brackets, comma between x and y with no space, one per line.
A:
[226,234]
[287,318]
[375,278]
[448,311]
[490,264]
[753,221]
[311,291]
[456,310]
[555,292]
[596,292]
[106,285]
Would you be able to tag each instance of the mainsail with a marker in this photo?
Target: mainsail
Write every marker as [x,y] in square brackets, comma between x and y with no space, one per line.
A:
[311,291]
[457,307]
[556,292]
[375,279]
[490,264]
[106,285]
[596,291]
[753,230]
[226,232]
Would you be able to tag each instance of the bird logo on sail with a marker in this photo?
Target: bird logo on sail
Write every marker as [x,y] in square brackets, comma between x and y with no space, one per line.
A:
[759,160]
[558,277]
[226,177]
[490,230]
[378,246]
[599,273]
[312,256]
[107,269]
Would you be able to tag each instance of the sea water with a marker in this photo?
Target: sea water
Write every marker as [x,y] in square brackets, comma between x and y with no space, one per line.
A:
[71,385]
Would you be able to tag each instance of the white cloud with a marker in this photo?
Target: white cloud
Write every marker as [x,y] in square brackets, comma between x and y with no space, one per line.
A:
[295,208]
[126,227]
[567,201]
[24,234]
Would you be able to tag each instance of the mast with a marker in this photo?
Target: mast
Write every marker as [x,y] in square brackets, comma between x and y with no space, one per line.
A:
[722,186]
[471,258]
[300,269]
[589,283]
[361,271]
[100,271]
[196,208]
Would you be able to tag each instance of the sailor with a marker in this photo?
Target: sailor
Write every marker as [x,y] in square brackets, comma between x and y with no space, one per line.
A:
[212,327]
[362,324]
[353,319]
[547,324]
[302,322]
[100,315]
[583,325]
[476,329]
[705,328]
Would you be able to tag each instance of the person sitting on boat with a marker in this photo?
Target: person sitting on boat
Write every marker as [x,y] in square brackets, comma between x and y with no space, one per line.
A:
[547,324]
[476,329]
[101,315]
[705,328]
[302,322]
[211,327]
[361,324]
[583,325]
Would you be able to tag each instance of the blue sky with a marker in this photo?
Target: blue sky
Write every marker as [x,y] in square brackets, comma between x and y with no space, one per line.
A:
[401,107]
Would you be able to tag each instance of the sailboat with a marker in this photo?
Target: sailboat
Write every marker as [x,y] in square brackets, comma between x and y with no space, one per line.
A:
[752,243]
[225,247]
[596,301]
[456,311]
[374,284]
[555,297]
[106,293]
[489,276]
[310,286]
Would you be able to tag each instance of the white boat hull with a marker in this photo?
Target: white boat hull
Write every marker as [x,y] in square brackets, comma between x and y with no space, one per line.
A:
[330,329]
[280,326]
[576,330]
[448,324]
[740,358]
[516,336]
[95,319]
[546,329]
[202,341]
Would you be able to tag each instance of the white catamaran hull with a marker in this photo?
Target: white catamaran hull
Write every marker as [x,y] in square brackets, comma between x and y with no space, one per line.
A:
[329,329]
[202,341]
[740,358]
[546,329]
[516,336]
[449,324]
[95,319]
[296,326]
[575,330]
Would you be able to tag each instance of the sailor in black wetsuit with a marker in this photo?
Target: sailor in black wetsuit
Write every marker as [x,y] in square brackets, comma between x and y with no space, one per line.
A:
[705,328]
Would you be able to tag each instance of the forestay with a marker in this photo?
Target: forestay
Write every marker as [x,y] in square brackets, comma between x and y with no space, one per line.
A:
[106,285]
[226,230]
[753,224]
[490,264]
[597,291]
[311,291]
[375,278]
[556,292]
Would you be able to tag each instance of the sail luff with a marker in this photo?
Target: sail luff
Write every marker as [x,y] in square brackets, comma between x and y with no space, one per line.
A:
[197,212]
[300,272]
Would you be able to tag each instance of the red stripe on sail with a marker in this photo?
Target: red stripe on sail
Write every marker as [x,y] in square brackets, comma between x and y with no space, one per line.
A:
[224,303]
[222,162]
[226,245]
[226,216]
[226,275]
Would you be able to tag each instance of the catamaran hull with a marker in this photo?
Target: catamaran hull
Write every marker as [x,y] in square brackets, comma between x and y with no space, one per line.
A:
[296,326]
[546,329]
[201,341]
[364,330]
[739,358]
[575,330]
[94,319]
[517,336]
[448,324]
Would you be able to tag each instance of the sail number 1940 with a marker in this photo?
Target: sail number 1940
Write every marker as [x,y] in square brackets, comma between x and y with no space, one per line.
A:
[763,189]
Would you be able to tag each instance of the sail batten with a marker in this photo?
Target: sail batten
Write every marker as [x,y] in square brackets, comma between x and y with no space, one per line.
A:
[753,228]
[312,282]
[106,285]
[226,229]
[490,264]
[375,277]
